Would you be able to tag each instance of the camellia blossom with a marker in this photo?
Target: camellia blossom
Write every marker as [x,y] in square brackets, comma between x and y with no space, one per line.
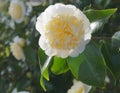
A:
[15,91]
[79,87]
[16,48]
[64,30]
[17,10]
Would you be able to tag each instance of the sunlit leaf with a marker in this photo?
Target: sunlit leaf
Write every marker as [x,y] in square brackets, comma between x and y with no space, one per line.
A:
[42,83]
[59,66]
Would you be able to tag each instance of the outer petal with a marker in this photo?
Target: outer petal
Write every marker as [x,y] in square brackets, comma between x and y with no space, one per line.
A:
[43,44]
[62,53]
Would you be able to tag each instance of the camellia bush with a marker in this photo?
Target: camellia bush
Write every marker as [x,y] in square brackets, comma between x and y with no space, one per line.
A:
[59,46]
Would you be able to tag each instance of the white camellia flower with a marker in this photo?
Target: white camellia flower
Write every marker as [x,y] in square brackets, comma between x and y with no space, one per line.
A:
[79,87]
[16,48]
[64,30]
[15,91]
[17,10]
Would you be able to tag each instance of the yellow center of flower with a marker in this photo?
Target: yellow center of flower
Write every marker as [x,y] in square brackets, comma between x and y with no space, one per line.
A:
[64,32]
[80,91]
[15,11]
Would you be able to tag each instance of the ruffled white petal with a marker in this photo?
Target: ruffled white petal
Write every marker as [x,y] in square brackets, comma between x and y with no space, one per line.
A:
[43,43]
[62,53]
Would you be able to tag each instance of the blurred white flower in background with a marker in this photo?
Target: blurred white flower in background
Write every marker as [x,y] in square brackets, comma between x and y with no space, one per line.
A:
[19,41]
[79,87]
[64,30]
[15,91]
[17,48]
[17,10]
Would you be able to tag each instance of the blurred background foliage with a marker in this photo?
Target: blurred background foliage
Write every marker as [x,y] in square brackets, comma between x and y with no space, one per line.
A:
[25,75]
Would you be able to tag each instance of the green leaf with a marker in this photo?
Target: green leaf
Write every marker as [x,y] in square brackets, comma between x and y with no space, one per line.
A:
[42,56]
[42,83]
[44,69]
[116,63]
[30,55]
[99,17]
[95,15]
[44,63]
[98,25]
[47,86]
[112,58]
[74,64]
[59,66]
[89,67]
[116,40]
[45,73]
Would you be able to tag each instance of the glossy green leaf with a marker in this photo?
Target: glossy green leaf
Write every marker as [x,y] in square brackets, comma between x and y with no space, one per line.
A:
[115,66]
[98,25]
[44,64]
[112,58]
[42,56]
[95,15]
[116,40]
[42,83]
[74,64]
[89,67]
[46,85]
[59,66]
[45,73]
[99,17]
[44,69]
